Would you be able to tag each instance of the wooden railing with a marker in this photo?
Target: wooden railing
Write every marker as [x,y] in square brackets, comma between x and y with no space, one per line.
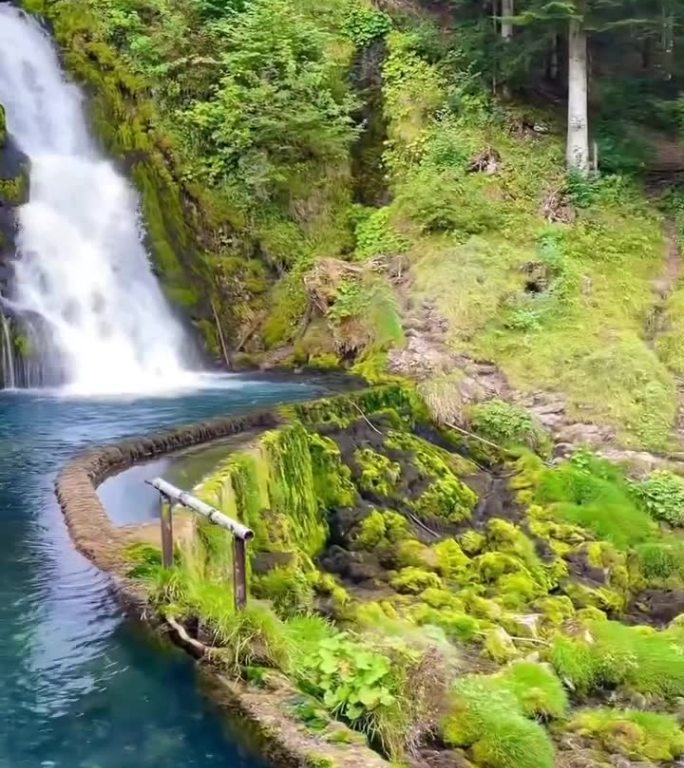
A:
[171,498]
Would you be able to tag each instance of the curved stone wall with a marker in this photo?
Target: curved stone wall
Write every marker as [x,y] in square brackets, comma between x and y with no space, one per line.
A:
[92,531]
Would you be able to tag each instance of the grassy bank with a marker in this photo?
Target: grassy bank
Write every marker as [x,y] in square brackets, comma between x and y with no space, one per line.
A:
[440,595]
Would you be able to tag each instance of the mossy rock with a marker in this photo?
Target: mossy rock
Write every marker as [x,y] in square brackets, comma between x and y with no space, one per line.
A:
[379,476]
[447,498]
[413,580]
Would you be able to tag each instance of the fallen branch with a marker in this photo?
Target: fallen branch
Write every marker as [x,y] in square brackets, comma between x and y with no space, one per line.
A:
[476,437]
[222,340]
[183,636]
[366,419]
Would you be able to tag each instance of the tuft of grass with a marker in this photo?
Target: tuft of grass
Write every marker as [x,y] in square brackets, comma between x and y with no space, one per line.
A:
[538,690]
[487,717]
[594,494]
[611,654]
[642,735]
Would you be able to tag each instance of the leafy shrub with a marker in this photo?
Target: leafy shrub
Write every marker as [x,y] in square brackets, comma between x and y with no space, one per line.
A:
[278,103]
[663,496]
[364,24]
[348,678]
[508,426]
[375,236]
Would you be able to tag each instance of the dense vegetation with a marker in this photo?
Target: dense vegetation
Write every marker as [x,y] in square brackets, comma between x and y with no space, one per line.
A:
[313,173]
[414,589]
[424,190]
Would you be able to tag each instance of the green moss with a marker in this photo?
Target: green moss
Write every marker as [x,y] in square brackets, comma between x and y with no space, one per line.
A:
[450,559]
[14,191]
[490,566]
[413,581]
[430,460]
[456,625]
[640,735]
[332,478]
[447,498]
[517,590]
[348,408]
[379,475]
[555,609]
[472,542]
[486,716]
[382,529]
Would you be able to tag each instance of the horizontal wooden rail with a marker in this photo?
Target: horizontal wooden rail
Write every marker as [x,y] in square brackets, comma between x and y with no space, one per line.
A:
[177,496]
[172,497]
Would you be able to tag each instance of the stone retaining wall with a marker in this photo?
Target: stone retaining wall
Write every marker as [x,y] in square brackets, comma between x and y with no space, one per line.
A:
[89,525]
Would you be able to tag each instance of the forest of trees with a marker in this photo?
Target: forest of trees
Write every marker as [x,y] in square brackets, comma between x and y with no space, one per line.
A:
[565,44]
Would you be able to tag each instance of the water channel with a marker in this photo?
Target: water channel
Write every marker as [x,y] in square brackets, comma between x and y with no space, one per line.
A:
[81,686]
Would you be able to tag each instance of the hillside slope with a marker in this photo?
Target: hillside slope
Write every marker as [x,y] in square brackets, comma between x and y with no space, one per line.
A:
[331,183]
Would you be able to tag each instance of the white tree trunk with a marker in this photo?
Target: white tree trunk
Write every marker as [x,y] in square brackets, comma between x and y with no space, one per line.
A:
[507,10]
[578,124]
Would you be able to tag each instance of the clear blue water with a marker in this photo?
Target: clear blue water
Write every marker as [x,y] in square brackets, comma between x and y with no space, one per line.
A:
[80,685]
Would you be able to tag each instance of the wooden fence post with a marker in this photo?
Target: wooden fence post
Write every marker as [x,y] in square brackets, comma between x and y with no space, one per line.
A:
[167,531]
[239,573]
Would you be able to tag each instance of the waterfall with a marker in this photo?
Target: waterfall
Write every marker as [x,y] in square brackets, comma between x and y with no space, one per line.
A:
[9,377]
[94,315]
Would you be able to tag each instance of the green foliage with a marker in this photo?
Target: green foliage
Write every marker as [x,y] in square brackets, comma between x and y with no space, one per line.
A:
[375,236]
[279,101]
[594,494]
[486,716]
[351,680]
[641,735]
[508,426]
[364,24]
[639,658]
[662,493]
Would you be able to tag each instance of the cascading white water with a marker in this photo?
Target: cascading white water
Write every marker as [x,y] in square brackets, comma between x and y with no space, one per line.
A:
[82,272]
